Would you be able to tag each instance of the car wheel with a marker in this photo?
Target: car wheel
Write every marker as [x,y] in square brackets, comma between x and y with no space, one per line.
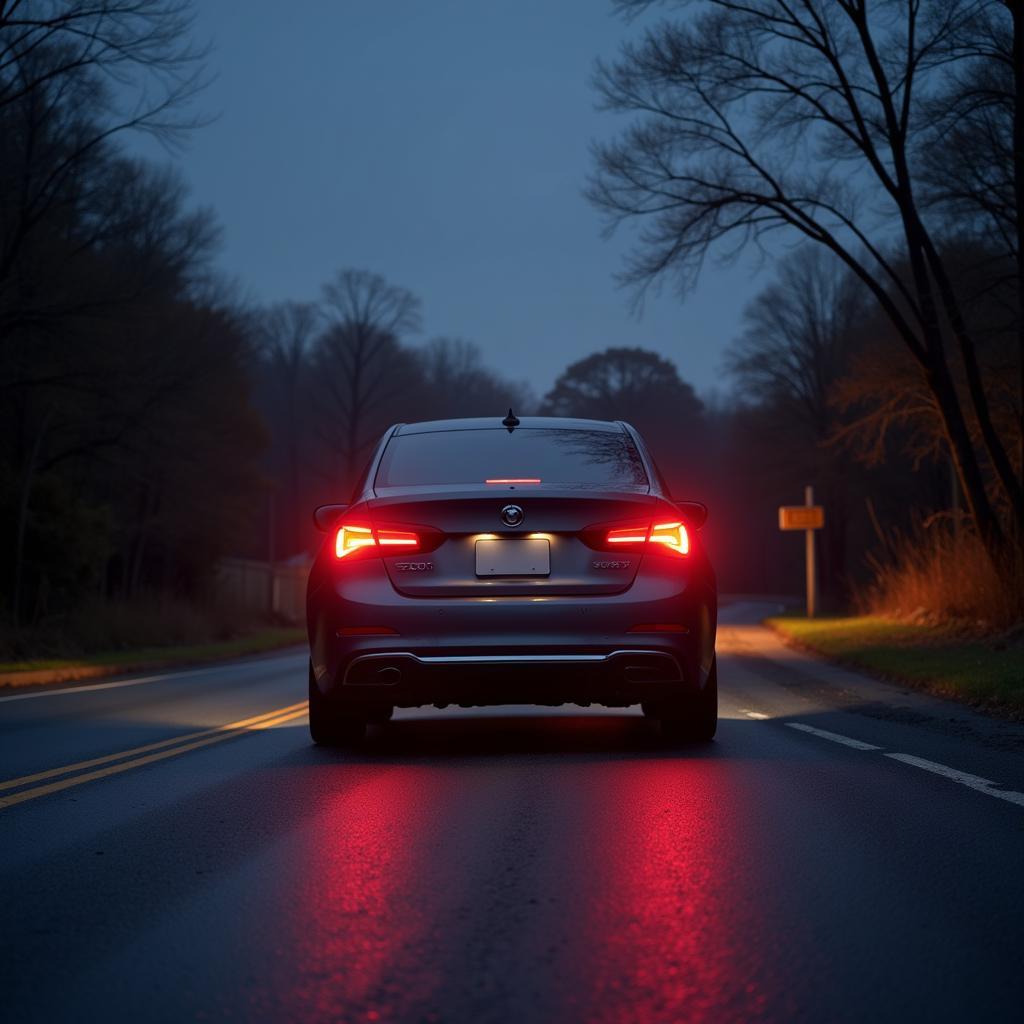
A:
[692,719]
[328,727]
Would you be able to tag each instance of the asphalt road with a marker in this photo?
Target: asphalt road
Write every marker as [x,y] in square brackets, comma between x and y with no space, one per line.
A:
[843,851]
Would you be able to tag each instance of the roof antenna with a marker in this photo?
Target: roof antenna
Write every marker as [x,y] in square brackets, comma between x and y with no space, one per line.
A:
[511,421]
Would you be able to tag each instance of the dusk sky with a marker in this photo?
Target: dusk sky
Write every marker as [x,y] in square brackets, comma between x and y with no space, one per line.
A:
[445,146]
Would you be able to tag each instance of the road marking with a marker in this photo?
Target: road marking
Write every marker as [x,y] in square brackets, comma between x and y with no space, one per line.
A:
[118,683]
[975,782]
[81,689]
[753,714]
[182,744]
[964,778]
[835,737]
[24,780]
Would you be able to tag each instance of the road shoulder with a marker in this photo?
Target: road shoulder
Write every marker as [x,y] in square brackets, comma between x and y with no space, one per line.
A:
[111,665]
[985,673]
[843,688]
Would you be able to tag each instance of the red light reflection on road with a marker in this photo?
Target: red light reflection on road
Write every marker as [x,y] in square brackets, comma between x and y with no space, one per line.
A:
[669,936]
[358,920]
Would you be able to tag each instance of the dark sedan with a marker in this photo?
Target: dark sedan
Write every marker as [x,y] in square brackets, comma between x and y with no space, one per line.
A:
[533,561]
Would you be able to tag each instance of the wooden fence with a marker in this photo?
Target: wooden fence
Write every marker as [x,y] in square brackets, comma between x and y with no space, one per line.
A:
[275,588]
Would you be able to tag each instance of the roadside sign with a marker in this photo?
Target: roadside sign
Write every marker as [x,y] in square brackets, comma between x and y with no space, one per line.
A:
[801,517]
[807,517]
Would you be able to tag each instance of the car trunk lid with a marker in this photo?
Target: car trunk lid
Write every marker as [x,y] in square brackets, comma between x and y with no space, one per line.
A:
[465,519]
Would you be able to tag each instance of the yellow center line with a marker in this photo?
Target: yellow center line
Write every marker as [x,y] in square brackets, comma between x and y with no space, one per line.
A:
[101,773]
[176,745]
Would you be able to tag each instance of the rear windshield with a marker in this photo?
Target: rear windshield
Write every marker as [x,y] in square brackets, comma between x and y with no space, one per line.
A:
[560,458]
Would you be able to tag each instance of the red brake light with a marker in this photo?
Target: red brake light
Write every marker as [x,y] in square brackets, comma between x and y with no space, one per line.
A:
[514,480]
[627,535]
[672,535]
[351,539]
[398,540]
[639,536]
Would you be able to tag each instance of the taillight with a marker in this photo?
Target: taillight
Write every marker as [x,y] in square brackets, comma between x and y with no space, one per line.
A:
[672,536]
[398,540]
[627,535]
[355,539]
[351,539]
[639,536]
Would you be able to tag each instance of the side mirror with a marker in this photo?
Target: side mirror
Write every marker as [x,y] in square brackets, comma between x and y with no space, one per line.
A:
[695,513]
[327,515]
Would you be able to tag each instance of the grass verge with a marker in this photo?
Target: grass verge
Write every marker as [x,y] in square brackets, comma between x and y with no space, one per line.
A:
[985,672]
[103,663]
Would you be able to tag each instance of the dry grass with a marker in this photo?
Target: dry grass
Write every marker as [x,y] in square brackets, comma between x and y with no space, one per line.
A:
[940,576]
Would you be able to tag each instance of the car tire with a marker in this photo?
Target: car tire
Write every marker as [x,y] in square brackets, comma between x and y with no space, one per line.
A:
[694,718]
[328,727]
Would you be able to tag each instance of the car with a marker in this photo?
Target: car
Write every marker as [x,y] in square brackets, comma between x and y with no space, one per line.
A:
[534,560]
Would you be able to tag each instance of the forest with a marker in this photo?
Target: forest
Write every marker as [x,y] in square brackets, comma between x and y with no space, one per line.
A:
[154,421]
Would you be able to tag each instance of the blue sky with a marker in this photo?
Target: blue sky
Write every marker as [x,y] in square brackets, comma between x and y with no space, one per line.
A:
[444,144]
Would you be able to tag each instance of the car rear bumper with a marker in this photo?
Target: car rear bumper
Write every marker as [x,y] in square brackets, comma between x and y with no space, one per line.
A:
[508,650]
[618,677]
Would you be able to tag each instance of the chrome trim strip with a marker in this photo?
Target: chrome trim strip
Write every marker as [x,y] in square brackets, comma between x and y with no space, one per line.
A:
[509,659]
[529,659]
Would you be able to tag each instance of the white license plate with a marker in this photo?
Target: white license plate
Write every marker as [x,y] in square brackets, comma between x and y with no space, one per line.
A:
[513,557]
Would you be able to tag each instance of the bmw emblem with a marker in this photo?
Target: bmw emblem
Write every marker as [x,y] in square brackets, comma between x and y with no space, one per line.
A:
[512,515]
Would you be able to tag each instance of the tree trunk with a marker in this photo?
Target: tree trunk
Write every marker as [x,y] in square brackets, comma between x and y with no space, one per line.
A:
[355,409]
[997,453]
[940,381]
[966,462]
[1017,14]
[23,502]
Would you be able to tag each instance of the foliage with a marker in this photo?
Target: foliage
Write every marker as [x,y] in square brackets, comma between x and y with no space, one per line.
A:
[331,377]
[625,383]
[453,381]
[146,632]
[985,672]
[128,444]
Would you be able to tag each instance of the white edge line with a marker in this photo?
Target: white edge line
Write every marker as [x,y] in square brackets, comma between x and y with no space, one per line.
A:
[117,683]
[974,782]
[847,741]
[82,689]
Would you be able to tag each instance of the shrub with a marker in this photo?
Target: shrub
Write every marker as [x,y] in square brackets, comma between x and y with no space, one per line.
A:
[154,621]
[941,574]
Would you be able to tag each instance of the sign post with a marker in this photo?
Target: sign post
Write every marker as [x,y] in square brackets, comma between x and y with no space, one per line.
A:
[807,517]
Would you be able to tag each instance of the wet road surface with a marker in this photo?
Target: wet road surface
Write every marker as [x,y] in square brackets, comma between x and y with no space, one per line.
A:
[175,849]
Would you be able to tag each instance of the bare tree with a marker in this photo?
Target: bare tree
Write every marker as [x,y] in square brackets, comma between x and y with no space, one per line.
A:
[286,332]
[358,355]
[139,53]
[74,75]
[796,340]
[755,116]
[974,159]
[799,336]
[456,382]
[73,384]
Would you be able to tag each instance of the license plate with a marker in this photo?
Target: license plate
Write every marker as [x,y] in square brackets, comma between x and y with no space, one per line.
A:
[513,557]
